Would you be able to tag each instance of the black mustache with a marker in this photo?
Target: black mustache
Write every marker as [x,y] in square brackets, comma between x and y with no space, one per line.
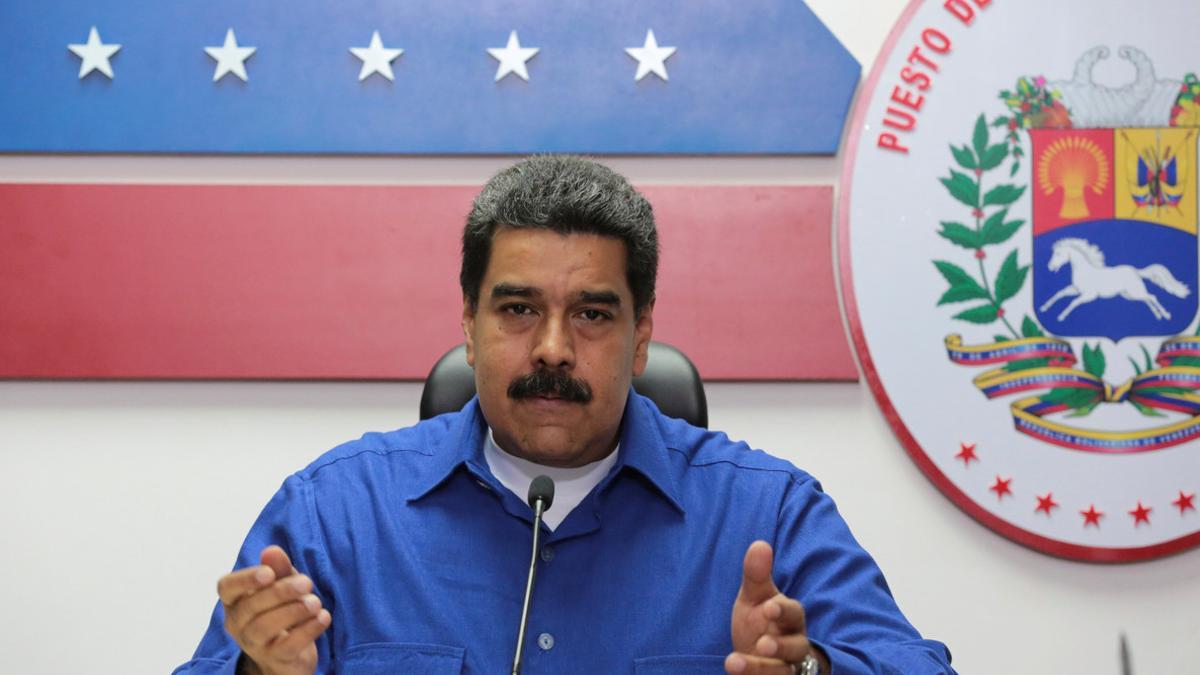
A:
[550,383]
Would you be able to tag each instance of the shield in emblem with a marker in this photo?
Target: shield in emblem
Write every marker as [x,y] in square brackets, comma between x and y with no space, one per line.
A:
[1114,231]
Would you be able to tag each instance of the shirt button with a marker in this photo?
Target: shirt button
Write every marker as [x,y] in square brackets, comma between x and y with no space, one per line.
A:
[546,642]
[547,554]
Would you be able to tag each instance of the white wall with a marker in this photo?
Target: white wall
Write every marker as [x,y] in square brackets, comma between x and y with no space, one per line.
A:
[121,503]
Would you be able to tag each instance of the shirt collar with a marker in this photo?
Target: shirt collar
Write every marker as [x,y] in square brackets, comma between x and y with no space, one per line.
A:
[642,449]
[460,443]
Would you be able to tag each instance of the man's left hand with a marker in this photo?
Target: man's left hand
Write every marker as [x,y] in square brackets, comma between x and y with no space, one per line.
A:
[769,633]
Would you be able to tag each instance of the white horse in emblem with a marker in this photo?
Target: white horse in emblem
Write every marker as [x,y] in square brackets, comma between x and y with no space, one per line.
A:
[1090,279]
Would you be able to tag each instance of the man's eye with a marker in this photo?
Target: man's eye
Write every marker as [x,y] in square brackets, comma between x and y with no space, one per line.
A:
[519,310]
[594,315]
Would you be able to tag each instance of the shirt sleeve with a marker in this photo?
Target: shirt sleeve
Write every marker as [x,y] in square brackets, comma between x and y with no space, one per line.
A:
[849,609]
[288,521]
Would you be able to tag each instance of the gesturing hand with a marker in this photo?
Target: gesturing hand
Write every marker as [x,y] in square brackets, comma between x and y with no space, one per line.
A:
[274,617]
[769,633]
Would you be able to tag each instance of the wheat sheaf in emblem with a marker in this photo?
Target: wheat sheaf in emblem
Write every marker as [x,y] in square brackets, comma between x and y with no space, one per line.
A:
[1113,235]
[1070,166]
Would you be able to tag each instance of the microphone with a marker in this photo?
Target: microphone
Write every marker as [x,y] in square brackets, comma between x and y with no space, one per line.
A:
[541,496]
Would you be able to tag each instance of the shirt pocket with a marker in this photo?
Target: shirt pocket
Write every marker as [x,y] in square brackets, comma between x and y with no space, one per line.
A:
[679,665]
[388,658]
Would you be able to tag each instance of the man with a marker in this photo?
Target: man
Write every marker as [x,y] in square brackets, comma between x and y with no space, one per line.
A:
[672,549]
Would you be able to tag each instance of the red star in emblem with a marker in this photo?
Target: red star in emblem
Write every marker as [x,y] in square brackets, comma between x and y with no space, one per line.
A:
[1141,514]
[1091,516]
[1000,487]
[1046,503]
[966,453]
[1185,502]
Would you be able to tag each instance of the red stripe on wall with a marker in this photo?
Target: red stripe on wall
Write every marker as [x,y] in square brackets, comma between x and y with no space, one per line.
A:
[361,282]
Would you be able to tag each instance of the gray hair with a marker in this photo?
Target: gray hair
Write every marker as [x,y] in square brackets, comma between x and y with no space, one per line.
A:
[569,195]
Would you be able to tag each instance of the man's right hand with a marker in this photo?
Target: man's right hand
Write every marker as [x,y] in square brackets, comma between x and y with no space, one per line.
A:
[271,612]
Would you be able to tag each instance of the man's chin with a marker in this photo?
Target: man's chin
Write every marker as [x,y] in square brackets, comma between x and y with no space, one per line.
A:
[552,445]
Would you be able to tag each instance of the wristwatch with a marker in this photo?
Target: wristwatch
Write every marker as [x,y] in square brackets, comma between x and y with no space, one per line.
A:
[809,666]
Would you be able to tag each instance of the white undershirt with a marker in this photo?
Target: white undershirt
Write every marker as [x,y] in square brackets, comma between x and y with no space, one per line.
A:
[570,485]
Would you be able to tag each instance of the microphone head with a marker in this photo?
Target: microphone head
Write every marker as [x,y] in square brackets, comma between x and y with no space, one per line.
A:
[542,488]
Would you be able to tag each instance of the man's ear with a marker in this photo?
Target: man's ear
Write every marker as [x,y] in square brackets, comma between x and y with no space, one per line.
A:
[643,328]
[468,326]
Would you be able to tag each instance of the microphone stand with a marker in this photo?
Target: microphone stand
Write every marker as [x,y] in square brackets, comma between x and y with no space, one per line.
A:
[541,495]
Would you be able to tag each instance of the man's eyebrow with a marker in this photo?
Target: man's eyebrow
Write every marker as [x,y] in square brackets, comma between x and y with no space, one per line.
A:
[600,298]
[503,290]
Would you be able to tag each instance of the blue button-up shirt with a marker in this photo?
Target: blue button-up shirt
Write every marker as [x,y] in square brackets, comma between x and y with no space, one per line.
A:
[421,555]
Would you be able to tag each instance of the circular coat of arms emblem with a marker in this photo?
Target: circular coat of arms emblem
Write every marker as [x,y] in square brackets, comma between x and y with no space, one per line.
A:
[1017,248]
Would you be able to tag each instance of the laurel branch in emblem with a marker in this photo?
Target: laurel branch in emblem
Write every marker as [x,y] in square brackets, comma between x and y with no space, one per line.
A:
[1027,359]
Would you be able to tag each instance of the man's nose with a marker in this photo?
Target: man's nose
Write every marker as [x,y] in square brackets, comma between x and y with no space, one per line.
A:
[554,345]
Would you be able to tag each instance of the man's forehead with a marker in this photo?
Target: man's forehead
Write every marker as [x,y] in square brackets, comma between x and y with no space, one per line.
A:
[539,237]
[538,260]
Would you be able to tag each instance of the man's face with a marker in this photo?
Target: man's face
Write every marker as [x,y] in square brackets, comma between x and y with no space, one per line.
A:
[554,343]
